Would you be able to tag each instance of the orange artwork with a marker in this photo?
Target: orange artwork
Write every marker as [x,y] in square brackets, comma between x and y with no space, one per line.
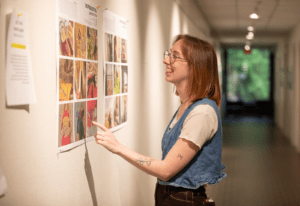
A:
[65,132]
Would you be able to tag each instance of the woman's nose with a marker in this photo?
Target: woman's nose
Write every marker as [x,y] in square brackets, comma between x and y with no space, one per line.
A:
[166,60]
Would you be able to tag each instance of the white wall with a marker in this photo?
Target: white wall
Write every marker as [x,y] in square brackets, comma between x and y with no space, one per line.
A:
[287,100]
[89,175]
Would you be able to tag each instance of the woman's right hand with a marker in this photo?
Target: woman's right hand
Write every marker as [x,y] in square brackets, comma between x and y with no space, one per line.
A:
[107,139]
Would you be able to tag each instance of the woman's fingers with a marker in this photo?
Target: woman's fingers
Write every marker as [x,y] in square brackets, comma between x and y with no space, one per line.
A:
[100,126]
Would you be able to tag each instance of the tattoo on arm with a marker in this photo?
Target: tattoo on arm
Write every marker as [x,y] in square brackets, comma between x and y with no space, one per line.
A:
[180,156]
[144,161]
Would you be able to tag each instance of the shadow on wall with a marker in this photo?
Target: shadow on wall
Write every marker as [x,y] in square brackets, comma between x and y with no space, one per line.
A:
[89,175]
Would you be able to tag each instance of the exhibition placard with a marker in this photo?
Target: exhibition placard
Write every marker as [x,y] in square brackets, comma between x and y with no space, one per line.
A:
[77,72]
[115,70]
[20,87]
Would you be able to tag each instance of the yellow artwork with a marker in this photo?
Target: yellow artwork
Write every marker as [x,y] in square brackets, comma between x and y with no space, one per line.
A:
[117,79]
[65,79]
[80,41]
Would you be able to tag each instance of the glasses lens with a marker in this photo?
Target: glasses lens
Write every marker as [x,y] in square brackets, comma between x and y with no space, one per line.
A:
[166,54]
[169,54]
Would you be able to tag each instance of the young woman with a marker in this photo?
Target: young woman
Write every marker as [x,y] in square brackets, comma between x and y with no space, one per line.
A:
[192,142]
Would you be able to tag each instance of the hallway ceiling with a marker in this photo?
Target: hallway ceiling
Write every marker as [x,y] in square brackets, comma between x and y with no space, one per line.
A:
[229,19]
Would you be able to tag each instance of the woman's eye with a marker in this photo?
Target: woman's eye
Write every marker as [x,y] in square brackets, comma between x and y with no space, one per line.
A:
[175,56]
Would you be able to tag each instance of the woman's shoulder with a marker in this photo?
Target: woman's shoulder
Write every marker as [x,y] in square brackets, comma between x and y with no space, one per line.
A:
[203,109]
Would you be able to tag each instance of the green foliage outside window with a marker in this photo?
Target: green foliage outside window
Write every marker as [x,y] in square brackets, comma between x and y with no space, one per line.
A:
[248,76]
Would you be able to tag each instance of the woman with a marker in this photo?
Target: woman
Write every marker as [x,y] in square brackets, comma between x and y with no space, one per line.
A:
[192,143]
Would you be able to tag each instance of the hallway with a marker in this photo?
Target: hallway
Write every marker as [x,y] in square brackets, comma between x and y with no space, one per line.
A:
[262,167]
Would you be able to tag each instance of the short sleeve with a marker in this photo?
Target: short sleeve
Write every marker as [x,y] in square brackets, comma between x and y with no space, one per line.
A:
[200,125]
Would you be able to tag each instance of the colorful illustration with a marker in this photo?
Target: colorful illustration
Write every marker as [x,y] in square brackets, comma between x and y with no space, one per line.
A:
[109,81]
[117,49]
[80,121]
[80,40]
[108,48]
[66,37]
[109,110]
[92,77]
[117,70]
[117,114]
[92,48]
[91,116]
[124,79]
[124,108]
[65,133]
[80,79]
[65,79]
[124,51]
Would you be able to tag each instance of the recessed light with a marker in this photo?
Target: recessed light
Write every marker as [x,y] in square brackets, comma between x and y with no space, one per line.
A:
[254,16]
[250,28]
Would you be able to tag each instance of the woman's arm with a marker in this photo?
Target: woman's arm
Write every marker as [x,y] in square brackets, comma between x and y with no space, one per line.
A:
[178,157]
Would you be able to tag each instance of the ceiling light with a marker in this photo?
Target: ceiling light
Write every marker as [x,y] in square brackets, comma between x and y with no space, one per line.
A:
[247,47]
[251,34]
[250,28]
[254,16]
[249,37]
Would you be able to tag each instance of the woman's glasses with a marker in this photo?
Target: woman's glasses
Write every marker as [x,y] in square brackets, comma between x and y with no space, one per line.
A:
[172,56]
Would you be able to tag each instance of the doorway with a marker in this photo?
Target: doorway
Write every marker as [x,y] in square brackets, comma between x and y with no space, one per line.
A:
[248,82]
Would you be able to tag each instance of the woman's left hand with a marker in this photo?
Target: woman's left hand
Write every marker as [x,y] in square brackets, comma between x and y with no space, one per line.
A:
[107,139]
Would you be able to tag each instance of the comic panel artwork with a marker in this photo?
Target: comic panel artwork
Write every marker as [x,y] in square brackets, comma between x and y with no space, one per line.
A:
[117,71]
[80,120]
[117,111]
[124,51]
[109,80]
[65,131]
[66,36]
[109,111]
[92,78]
[91,116]
[117,49]
[92,48]
[80,40]
[108,47]
[124,79]
[80,79]
[124,108]
[65,79]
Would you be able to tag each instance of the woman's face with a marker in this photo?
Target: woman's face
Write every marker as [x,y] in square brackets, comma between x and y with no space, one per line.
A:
[177,72]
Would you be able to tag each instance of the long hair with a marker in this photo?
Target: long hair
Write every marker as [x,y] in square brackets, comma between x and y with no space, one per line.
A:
[203,80]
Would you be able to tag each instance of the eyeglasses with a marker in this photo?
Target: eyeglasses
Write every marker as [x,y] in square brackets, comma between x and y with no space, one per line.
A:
[172,56]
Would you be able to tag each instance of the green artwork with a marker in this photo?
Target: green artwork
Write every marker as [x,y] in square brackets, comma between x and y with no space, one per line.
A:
[248,76]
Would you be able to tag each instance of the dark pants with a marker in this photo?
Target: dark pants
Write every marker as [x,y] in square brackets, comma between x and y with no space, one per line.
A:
[172,196]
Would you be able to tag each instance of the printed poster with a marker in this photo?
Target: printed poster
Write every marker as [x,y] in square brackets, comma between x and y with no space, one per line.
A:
[77,72]
[115,70]
[20,87]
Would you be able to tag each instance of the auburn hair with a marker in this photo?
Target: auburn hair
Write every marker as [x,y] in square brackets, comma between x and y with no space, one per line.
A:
[203,80]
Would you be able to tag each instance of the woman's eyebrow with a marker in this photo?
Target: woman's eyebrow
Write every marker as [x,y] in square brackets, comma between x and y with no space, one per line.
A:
[175,51]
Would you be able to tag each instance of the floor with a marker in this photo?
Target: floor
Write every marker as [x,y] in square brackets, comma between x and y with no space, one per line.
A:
[261,166]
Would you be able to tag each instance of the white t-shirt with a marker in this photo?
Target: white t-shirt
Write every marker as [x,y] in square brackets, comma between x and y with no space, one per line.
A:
[200,125]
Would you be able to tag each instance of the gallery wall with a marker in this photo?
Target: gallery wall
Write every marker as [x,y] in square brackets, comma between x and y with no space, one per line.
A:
[287,88]
[88,174]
